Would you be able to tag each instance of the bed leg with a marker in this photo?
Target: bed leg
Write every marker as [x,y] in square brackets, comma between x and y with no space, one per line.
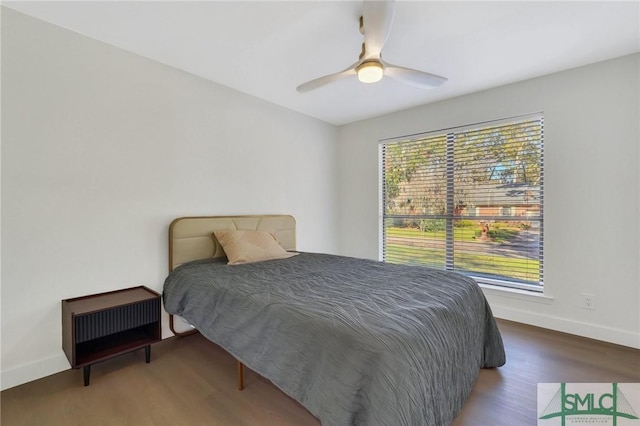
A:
[179,333]
[240,375]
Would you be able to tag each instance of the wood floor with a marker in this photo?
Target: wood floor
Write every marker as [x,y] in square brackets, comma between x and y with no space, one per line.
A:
[191,381]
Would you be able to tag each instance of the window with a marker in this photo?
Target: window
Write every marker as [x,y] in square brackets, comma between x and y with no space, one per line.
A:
[467,199]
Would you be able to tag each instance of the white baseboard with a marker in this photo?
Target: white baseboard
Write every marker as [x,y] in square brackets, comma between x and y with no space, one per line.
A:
[592,331]
[28,372]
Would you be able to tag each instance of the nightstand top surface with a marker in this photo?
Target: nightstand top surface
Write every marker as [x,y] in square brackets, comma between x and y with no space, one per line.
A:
[97,302]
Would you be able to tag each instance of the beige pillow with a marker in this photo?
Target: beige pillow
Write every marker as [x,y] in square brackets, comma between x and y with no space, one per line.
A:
[250,246]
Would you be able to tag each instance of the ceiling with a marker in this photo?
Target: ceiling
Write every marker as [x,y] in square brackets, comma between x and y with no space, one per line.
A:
[267,48]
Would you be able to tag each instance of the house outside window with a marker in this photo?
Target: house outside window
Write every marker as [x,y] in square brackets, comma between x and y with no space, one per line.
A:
[467,199]
[507,211]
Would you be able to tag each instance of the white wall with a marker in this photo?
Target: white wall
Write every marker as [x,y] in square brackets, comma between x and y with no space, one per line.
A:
[592,199]
[101,149]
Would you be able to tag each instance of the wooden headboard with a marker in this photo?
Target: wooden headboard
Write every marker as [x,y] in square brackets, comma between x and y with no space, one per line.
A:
[190,237]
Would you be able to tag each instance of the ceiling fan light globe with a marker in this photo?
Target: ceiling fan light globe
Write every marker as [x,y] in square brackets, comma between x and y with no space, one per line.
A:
[370,72]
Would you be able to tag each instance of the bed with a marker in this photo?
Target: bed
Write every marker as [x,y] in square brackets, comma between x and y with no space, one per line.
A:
[355,341]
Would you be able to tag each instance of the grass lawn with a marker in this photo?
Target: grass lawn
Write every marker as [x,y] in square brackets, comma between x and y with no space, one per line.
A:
[519,268]
[460,234]
[497,234]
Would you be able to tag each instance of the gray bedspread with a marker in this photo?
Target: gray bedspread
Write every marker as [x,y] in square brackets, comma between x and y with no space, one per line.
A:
[357,342]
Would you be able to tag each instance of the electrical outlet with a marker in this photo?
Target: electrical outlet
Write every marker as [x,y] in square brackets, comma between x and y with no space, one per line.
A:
[588,301]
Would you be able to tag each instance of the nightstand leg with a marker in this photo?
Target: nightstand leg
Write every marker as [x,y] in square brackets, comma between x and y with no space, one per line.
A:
[147,353]
[87,374]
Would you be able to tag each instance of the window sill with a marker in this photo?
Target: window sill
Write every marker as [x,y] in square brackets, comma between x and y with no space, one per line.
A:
[515,293]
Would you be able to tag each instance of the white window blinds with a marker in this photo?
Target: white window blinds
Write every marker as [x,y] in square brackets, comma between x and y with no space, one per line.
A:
[468,199]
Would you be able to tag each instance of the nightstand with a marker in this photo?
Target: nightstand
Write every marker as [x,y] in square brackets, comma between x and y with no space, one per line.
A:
[101,326]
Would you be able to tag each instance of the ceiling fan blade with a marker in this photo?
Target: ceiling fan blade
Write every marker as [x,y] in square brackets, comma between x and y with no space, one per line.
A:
[321,81]
[416,78]
[377,18]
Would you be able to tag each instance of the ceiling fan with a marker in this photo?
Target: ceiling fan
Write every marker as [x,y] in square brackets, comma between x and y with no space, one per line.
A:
[375,24]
